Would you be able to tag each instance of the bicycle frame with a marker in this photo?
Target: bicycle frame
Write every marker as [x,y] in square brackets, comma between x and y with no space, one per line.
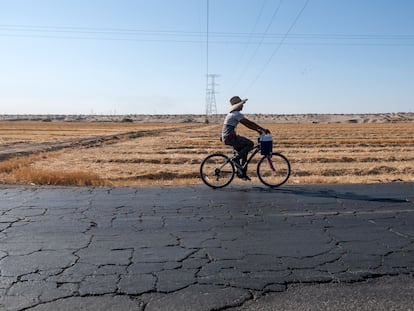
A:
[256,149]
[275,174]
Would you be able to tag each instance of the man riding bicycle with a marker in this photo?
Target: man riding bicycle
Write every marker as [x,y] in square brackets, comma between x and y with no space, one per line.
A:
[241,144]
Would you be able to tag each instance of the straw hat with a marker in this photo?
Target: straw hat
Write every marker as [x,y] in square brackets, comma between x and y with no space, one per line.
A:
[236,103]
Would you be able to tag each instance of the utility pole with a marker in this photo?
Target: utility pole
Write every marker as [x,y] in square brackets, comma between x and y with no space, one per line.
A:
[211,107]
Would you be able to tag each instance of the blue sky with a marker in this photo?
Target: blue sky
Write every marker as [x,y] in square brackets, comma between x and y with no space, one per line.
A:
[150,57]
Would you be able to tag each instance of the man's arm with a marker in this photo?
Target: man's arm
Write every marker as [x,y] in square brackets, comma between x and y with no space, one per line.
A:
[253,126]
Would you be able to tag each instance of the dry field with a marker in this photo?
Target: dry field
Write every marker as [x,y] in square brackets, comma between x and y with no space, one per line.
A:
[170,153]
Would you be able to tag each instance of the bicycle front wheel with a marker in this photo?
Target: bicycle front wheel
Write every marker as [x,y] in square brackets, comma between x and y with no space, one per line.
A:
[273,171]
[217,171]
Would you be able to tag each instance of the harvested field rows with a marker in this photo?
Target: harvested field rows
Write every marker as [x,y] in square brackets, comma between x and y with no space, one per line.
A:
[319,153]
[345,153]
[16,133]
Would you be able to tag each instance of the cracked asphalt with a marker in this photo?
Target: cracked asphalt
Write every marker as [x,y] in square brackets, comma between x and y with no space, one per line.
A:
[300,247]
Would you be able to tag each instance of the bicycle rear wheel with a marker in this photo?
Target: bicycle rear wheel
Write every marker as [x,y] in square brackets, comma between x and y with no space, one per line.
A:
[217,171]
[273,171]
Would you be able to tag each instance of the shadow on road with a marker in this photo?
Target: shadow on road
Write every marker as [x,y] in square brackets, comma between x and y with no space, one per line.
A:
[321,191]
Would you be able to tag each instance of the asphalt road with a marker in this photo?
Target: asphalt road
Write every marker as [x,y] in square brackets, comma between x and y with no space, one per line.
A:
[300,247]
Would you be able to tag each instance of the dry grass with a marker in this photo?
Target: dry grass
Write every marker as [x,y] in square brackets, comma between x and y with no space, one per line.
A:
[350,153]
[56,178]
[319,153]
[20,170]
[14,164]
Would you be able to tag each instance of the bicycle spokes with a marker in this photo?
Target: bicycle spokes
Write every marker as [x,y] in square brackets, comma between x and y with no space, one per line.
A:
[216,170]
[273,170]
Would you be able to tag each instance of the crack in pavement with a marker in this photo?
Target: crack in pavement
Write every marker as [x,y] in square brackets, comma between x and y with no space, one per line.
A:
[191,248]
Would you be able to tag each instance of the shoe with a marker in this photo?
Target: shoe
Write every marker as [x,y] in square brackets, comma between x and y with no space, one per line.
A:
[245,177]
[242,175]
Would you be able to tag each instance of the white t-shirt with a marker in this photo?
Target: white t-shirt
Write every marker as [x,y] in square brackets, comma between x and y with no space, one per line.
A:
[233,118]
[230,122]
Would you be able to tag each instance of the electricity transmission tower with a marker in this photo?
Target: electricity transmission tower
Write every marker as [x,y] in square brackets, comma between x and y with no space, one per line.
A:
[211,107]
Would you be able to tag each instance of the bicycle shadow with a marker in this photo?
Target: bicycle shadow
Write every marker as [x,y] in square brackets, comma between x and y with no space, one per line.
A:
[331,194]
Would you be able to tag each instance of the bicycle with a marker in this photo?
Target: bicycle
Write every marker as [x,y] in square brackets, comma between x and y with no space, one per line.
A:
[217,170]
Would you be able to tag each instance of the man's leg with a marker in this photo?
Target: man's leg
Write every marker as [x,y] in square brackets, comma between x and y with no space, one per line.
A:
[243,145]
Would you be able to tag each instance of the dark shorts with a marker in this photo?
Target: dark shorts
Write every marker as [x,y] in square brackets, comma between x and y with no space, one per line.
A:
[240,143]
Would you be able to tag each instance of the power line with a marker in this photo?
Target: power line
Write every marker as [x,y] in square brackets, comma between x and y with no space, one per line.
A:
[262,38]
[199,34]
[380,42]
[251,33]
[207,39]
[279,45]
[260,42]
